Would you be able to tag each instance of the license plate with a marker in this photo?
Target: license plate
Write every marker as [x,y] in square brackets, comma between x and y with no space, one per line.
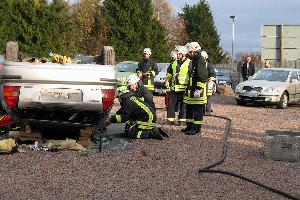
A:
[60,95]
[251,94]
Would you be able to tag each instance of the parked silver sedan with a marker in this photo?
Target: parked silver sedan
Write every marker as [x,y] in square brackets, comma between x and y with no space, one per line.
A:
[273,86]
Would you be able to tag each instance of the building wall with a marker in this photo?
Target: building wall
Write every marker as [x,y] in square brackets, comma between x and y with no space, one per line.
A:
[280,44]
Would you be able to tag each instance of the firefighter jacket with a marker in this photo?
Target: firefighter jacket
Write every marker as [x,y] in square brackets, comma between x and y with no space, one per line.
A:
[135,110]
[178,72]
[211,77]
[198,77]
[144,94]
[149,70]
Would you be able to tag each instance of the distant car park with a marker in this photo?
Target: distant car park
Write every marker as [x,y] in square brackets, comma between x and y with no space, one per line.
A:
[275,86]
[226,76]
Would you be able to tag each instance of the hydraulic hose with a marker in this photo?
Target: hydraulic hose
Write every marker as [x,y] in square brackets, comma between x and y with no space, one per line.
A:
[208,168]
[9,110]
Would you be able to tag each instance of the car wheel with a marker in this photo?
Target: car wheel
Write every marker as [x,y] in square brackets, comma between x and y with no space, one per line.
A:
[240,102]
[283,103]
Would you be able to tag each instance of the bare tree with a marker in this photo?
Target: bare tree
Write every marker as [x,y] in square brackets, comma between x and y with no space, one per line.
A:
[90,28]
[164,12]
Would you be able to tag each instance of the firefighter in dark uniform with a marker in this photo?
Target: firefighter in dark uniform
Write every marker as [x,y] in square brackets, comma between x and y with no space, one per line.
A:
[177,75]
[147,70]
[141,116]
[211,84]
[195,95]
[136,86]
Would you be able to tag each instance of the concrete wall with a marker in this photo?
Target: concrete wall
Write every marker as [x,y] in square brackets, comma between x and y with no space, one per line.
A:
[280,44]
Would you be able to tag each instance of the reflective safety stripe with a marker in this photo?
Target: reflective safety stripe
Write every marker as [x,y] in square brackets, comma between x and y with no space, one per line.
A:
[118,118]
[145,127]
[183,73]
[182,76]
[139,134]
[145,108]
[149,85]
[200,84]
[212,79]
[189,120]
[145,123]
[142,98]
[171,119]
[198,122]
[182,120]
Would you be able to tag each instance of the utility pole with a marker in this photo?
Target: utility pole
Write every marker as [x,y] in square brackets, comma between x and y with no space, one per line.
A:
[232,17]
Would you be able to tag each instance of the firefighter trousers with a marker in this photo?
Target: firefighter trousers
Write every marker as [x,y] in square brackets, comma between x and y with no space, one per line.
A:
[195,113]
[175,102]
[133,131]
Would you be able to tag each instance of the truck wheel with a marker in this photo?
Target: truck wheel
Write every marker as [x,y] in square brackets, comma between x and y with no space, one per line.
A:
[283,103]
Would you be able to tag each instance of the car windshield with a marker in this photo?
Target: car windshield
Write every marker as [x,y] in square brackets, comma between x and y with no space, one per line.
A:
[271,75]
[126,67]
[222,72]
[162,66]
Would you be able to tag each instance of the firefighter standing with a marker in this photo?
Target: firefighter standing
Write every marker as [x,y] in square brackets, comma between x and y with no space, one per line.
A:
[211,81]
[177,75]
[195,95]
[136,86]
[147,69]
[173,56]
[139,115]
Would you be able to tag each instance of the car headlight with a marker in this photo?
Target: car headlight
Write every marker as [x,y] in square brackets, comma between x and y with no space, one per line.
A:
[270,90]
[238,89]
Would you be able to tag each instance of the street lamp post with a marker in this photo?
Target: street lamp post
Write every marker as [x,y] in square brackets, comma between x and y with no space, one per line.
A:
[232,59]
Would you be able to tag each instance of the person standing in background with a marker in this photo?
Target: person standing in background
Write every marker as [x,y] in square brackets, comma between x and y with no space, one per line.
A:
[248,69]
[147,70]
[211,82]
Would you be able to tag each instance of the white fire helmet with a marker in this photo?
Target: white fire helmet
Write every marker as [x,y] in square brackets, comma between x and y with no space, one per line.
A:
[132,79]
[193,46]
[173,54]
[204,54]
[182,50]
[147,51]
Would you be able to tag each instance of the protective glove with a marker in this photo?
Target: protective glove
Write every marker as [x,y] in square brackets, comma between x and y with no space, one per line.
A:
[210,84]
[197,93]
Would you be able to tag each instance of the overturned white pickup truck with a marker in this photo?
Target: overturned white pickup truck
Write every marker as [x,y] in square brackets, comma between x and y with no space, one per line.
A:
[42,94]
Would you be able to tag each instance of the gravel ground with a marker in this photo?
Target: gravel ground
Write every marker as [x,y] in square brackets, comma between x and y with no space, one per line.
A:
[165,169]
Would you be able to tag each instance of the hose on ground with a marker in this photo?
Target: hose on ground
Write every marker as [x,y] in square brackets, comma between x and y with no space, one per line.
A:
[208,168]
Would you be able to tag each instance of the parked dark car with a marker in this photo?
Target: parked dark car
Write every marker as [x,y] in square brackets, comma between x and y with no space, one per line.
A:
[226,76]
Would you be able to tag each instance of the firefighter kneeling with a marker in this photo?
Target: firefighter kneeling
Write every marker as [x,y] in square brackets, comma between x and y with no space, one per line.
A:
[140,118]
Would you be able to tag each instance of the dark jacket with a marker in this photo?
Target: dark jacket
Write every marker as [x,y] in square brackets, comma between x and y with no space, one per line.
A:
[211,71]
[248,72]
[134,109]
[198,72]
[147,66]
[143,93]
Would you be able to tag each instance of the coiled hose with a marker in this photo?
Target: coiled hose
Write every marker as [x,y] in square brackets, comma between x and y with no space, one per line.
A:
[208,168]
[9,110]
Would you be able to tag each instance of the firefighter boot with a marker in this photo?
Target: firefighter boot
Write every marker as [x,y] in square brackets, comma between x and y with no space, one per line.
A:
[196,128]
[188,127]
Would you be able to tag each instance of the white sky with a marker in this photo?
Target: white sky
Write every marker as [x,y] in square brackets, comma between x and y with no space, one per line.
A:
[251,14]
